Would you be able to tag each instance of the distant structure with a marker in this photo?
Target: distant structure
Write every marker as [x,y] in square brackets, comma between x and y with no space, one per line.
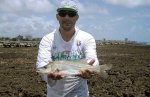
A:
[28,41]
[19,38]
[119,42]
[126,40]
[19,41]
[28,37]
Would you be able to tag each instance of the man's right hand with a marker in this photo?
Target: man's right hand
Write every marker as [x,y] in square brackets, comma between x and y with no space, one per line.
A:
[55,76]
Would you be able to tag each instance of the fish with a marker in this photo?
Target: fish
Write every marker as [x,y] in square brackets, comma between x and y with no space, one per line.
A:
[73,67]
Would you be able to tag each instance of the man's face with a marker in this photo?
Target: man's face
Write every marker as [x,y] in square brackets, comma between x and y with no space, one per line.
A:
[67,19]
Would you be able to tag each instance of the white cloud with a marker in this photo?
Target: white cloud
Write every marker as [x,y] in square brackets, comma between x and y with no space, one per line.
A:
[11,6]
[95,9]
[20,17]
[117,19]
[27,26]
[39,5]
[15,6]
[4,18]
[91,8]
[144,14]
[129,3]
[16,17]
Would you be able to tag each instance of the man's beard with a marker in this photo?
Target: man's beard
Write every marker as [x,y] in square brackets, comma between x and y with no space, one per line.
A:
[67,25]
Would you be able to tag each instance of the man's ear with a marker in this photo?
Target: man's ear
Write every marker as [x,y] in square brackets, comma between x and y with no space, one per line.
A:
[57,16]
[77,17]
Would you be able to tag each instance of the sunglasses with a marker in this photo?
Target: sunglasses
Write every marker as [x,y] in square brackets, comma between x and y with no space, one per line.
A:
[69,13]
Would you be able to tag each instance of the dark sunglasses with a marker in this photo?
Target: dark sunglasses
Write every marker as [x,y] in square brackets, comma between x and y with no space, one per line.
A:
[69,13]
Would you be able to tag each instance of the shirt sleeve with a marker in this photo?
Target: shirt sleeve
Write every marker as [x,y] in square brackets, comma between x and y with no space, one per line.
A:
[90,50]
[44,53]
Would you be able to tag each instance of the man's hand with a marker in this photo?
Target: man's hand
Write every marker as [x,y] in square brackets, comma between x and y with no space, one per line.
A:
[86,74]
[55,76]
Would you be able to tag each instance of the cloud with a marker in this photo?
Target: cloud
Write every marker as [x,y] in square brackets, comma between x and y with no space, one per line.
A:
[34,25]
[39,6]
[129,3]
[143,14]
[117,19]
[91,8]
[16,6]
[26,17]
[97,9]
[11,6]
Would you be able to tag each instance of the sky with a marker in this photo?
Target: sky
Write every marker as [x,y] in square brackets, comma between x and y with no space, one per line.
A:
[104,19]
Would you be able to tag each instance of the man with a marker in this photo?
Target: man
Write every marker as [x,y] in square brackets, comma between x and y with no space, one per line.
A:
[70,43]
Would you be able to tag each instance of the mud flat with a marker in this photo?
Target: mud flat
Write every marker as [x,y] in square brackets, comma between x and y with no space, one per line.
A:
[129,77]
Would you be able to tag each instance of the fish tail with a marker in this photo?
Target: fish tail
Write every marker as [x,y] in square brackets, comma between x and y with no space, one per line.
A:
[103,69]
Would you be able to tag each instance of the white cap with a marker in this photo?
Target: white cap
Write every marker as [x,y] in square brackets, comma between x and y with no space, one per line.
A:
[68,5]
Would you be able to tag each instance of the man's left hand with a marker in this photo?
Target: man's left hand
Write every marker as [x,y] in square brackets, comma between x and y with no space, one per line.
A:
[86,74]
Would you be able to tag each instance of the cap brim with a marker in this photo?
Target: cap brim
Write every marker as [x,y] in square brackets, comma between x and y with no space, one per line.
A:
[67,9]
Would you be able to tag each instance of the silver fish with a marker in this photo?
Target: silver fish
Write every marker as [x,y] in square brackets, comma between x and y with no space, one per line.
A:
[69,68]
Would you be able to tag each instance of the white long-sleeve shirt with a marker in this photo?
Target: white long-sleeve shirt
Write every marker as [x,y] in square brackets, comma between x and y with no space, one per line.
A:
[52,47]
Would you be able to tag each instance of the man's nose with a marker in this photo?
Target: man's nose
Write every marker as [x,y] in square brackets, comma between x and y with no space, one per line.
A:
[66,16]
